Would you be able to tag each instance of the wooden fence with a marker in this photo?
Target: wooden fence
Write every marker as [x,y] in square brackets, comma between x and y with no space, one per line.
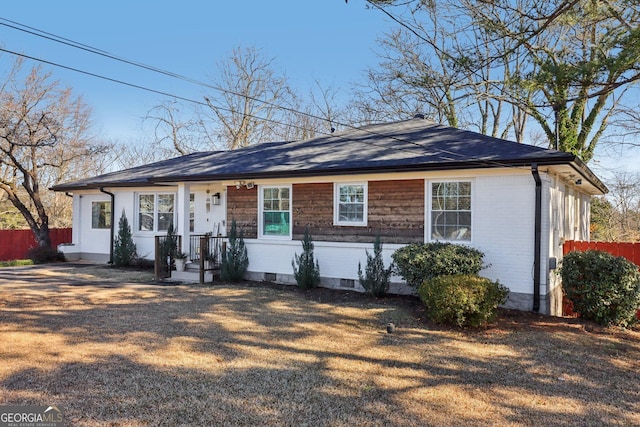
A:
[630,251]
[14,244]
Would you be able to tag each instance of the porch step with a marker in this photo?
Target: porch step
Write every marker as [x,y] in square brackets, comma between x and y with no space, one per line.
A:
[191,276]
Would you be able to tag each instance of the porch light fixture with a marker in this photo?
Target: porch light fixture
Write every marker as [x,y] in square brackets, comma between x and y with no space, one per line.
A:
[215,198]
[239,184]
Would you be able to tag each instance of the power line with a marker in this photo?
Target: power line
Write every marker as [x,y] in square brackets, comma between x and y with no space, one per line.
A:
[58,39]
[137,86]
[167,94]
[68,42]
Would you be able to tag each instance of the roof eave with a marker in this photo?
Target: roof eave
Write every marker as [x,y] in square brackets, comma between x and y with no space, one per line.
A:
[568,159]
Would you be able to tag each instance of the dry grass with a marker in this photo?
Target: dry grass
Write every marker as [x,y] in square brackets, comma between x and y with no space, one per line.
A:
[112,353]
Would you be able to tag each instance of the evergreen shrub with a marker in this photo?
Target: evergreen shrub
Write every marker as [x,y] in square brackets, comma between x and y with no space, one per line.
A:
[124,249]
[306,269]
[462,299]
[376,277]
[604,288]
[422,261]
[235,260]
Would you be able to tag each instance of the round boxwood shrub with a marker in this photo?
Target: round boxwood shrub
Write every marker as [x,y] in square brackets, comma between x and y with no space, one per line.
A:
[604,288]
[422,261]
[462,299]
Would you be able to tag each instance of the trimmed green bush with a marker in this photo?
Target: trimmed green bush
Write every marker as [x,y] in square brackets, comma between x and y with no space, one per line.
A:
[45,255]
[462,300]
[375,279]
[422,261]
[235,260]
[306,270]
[604,288]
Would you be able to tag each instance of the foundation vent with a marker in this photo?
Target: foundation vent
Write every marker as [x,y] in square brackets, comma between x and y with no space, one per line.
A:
[347,283]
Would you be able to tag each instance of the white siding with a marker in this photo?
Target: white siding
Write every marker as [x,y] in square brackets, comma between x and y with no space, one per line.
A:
[503,215]
[336,260]
[504,218]
[87,239]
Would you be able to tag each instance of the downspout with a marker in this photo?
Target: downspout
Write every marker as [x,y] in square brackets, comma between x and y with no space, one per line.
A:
[537,238]
[113,206]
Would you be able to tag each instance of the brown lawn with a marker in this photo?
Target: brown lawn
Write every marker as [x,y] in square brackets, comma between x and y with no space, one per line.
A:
[114,353]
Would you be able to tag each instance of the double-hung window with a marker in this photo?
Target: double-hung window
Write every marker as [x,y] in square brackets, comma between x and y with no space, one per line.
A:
[155,211]
[350,204]
[100,215]
[451,210]
[275,211]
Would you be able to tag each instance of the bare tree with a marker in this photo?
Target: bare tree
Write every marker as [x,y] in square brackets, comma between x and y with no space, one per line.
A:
[319,115]
[175,134]
[625,200]
[254,103]
[44,137]
[566,65]
[437,63]
[136,153]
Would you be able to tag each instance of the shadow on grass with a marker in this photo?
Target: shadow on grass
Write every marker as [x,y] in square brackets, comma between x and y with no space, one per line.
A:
[251,355]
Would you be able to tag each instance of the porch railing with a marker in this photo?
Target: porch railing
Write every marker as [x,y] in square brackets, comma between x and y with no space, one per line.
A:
[206,252]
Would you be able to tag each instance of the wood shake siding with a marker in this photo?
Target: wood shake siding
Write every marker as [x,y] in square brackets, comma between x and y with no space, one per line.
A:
[242,205]
[395,211]
[313,208]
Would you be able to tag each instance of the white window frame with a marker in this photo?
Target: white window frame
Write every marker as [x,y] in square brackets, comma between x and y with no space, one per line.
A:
[156,196]
[261,235]
[336,204]
[107,218]
[428,219]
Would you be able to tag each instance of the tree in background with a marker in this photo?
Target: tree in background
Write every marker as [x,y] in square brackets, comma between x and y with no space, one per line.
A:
[44,137]
[566,65]
[616,216]
[176,132]
[252,105]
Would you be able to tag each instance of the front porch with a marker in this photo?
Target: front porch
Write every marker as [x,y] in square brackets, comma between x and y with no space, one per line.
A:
[204,254]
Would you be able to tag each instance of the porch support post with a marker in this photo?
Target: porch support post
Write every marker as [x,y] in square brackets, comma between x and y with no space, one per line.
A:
[182,206]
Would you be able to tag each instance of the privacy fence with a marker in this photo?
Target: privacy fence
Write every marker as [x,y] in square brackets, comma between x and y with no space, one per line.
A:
[14,244]
[630,251]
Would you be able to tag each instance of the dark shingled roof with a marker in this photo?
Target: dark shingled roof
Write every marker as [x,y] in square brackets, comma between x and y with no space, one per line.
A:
[410,145]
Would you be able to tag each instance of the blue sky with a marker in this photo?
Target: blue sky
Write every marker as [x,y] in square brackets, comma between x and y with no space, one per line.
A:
[329,41]
[325,40]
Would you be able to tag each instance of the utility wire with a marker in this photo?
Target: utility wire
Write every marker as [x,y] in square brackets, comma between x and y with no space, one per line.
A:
[167,94]
[58,39]
[136,86]
[71,43]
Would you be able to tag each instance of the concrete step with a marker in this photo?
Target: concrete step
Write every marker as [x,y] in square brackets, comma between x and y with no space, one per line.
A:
[191,276]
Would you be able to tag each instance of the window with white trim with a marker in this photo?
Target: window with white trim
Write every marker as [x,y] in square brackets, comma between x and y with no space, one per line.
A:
[155,211]
[275,211]
[451,210]
[100,215]
[350,204]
